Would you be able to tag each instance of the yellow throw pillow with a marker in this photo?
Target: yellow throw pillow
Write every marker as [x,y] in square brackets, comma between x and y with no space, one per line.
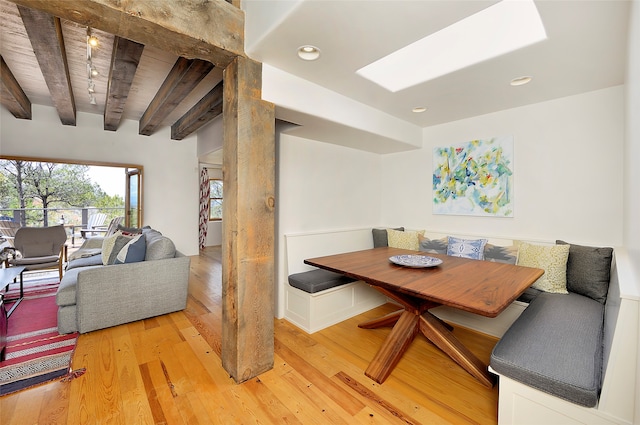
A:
[108,244]
[404,240]
[552,259]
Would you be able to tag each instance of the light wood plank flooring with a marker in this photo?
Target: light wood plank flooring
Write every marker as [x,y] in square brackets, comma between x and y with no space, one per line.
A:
[167,370]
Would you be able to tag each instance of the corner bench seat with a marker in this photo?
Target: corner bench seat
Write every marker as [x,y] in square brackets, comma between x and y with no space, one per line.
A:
[555,346]
[318,280]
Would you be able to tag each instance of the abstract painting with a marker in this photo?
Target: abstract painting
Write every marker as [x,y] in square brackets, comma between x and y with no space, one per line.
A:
[474,178]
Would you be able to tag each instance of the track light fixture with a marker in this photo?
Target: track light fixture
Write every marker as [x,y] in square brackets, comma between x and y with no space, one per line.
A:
[92,41]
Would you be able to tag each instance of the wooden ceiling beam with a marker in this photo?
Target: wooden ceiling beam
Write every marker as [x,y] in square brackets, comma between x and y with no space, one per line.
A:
[182,79]
[217,35]
[209,107]
[45,34]
[124,63]
[12,96]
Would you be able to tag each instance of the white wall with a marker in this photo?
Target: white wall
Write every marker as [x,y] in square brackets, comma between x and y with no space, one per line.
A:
[632,142]
[210,137]
[322,186]
[568,156]
[568,178]
[632,154]
[170,167]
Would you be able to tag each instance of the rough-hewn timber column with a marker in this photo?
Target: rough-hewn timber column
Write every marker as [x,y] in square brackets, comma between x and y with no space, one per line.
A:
[248,263]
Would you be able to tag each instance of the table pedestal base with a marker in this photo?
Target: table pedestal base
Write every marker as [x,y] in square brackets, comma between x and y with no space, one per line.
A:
[415,318]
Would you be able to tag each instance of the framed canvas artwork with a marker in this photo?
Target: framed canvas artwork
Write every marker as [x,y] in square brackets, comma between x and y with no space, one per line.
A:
[474,178]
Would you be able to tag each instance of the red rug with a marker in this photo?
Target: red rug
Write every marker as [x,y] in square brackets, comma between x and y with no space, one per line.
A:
[35,352]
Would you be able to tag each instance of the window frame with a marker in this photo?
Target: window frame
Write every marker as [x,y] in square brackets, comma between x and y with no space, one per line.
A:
[215,198]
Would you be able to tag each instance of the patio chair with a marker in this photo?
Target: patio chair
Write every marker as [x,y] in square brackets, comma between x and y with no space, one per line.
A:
[104,231]
[39,248]
[8,229]
[94,222]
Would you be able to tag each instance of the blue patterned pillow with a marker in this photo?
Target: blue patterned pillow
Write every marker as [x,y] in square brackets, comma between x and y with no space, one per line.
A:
[466,248]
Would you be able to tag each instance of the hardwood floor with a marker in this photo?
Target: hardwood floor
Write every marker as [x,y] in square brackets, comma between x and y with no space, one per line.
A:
[167,370]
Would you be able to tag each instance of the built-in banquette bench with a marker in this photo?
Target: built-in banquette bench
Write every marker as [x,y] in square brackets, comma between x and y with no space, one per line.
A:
[542,349]
[318,306]
[519,403]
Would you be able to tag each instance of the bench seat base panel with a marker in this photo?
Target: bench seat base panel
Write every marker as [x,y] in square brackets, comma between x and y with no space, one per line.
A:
[314,312]
[520,404]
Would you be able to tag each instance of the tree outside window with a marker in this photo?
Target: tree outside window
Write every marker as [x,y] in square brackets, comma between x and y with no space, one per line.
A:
[215,199]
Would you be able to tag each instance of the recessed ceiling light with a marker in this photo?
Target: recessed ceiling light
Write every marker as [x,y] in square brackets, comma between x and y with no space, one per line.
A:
[499,29]
[419,109]
[520,81]
[308,52]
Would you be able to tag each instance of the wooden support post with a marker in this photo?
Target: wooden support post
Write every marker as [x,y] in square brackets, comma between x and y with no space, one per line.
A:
[248,266]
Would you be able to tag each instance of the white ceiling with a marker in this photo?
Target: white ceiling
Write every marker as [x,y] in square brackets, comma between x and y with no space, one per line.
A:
[585,51]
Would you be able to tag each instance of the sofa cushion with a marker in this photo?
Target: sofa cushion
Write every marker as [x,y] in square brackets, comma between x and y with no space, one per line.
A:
[501,254]
[589,270]
[95,260]
[466,248]
[134,251]
[318,280]
[404,240]
[380,237]
[158,246]
[66,294]
[433,246]
[552,259]
[555,346]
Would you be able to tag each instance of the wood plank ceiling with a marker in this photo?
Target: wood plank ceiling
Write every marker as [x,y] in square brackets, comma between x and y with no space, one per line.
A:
[44,62]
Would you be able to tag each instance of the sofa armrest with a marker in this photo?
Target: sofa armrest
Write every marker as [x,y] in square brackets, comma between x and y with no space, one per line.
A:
[121,293]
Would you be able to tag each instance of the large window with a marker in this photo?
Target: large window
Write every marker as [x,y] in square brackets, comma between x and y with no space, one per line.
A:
[46,191]
[215,199]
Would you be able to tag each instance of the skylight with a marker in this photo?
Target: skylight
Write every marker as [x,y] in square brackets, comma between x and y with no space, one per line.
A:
[502,28]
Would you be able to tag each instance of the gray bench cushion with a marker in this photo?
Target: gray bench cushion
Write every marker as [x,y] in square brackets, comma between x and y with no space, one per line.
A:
[556,347]
[317,280]
[529,295]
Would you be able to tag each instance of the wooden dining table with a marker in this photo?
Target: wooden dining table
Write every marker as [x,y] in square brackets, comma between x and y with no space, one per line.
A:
[481,287]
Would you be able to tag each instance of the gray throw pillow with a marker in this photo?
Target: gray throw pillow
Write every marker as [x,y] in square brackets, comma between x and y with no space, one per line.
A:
[433,246]
[588,270]
[132,230]
[380,237]
[120,243]
[501,254]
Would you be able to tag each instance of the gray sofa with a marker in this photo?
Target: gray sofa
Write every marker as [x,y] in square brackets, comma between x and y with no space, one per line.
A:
[94,296]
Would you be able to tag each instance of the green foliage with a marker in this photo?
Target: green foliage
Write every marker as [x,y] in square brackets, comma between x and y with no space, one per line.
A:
[49,185]
[7,192]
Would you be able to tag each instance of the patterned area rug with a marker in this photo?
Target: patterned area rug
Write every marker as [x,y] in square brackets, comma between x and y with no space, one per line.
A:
[35,352]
